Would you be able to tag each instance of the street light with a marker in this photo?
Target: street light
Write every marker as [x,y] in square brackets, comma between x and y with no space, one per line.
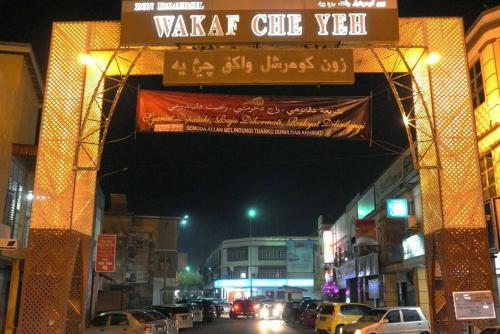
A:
[251,214]
[184,222]
[188,268]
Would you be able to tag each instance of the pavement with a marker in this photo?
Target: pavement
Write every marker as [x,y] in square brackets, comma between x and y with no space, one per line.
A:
[248,326]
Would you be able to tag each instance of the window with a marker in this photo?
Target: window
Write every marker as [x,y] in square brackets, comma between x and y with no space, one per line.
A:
[312,306]
[99,321]
[119,320]
[13,199]
[488,176]
[393,317]
[272,272]
[237,254]
[141,317]
[272,253]
[476,81]
[411,315]
[236,272]
[327,309]
[354,309]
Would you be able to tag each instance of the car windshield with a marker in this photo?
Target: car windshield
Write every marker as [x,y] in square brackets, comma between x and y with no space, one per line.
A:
[142,316]
[373,316]
[155,315]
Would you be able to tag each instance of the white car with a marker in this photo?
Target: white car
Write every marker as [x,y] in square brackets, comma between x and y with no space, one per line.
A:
[171,324]
[196,313]
[179,313]
[127,322]
[396,320]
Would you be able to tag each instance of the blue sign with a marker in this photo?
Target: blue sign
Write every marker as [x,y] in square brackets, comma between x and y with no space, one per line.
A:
[397,208]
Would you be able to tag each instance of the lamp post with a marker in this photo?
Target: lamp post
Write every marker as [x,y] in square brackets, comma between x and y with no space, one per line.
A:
[251,214]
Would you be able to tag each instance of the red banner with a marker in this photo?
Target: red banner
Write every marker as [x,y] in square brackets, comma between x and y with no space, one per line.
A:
[332,117]
[105,261]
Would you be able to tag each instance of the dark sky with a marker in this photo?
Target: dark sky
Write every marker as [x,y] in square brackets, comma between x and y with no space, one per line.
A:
[214,179]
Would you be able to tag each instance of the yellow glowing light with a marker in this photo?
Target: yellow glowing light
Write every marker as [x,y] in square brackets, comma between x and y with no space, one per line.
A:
[433,58]
[87,59]
[406,120]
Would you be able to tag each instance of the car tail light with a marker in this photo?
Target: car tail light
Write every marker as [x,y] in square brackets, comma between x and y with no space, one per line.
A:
[236,307]
[148,329]
[255,307]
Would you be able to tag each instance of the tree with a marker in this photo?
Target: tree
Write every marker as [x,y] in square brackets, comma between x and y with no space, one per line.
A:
[189,281]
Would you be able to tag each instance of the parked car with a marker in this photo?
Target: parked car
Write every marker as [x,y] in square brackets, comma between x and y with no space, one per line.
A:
[179,313]
[332,317]
[270,310]
[208,309]
[310,314]
[491,330]
[409,320]
[196,313]
[130,321]
[291,312]
[247,308]
[170,323]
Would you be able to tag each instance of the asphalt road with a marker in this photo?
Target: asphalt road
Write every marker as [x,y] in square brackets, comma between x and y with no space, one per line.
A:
[248,326]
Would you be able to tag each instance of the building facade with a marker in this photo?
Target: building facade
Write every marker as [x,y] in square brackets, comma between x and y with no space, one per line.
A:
[271,267]
[21,88]
[146,259]
[483,52]
[374,252]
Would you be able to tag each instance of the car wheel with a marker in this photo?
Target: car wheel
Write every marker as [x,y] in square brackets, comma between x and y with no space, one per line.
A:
[338,328]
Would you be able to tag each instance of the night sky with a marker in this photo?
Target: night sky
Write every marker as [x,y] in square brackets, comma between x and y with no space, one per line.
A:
[214,179]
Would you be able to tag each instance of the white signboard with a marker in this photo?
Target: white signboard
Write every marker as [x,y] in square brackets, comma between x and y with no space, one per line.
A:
[474,305]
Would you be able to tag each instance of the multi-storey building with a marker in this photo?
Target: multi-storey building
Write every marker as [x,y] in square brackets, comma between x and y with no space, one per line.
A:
[146,259]
[21,91]
[376,246]
[271,267]
[483,52]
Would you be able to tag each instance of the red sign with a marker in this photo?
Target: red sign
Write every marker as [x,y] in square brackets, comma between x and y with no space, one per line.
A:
[366,232]
[298,116]
[105,261]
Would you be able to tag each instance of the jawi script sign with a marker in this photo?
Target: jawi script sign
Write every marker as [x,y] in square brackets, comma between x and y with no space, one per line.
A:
[259,66]
[331,117]
[159,23]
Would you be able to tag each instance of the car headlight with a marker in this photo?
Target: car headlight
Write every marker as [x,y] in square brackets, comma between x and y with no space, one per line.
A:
[276,312]
[358,331]
[278,307]
[264,313]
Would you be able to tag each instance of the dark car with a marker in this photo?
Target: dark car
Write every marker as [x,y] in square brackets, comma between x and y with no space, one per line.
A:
[246,308]
[291,312]
[310,314]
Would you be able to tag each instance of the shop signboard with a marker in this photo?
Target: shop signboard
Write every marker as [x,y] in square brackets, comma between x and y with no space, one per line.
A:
[374,288]
[330,117]
[474,305]
[258,66]
[366,232]
[105,261]
[366,203]
[397,208]
[367,265]
[345,272]
[328,246]
[158,23]
[413,247]
[299,256]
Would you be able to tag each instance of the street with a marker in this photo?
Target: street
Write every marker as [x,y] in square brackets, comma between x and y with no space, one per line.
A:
[249,326]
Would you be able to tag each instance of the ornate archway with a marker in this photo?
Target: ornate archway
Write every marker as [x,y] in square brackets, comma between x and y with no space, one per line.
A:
[77,113]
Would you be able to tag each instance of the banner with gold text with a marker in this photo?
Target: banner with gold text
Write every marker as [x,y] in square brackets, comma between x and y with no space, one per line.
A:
[331,117]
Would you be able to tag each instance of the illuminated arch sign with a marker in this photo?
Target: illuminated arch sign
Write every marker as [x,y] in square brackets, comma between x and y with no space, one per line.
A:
[276,21]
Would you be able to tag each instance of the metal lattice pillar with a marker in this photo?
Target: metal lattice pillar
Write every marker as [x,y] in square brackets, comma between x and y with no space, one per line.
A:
[454,224]
[57,263]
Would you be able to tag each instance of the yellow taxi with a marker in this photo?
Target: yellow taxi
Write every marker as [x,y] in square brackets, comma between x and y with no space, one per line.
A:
[332,317]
